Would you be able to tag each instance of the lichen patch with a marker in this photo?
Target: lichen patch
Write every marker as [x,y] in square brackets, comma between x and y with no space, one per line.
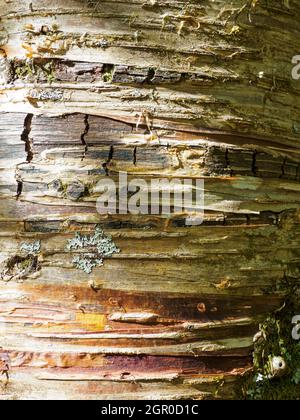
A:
[96,248]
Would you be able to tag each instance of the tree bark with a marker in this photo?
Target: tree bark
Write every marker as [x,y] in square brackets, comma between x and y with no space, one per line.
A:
[198,90]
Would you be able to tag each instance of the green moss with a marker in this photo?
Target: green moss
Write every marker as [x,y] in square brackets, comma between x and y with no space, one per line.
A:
[275,340]
[18,267]
[25,264]
[108,73]
[34,70]
[23,70]
[107,77]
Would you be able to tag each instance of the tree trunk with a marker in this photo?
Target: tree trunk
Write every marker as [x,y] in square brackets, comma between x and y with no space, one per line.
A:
[175,89]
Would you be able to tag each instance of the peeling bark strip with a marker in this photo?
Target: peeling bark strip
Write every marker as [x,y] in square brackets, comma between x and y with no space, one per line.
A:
[156,89]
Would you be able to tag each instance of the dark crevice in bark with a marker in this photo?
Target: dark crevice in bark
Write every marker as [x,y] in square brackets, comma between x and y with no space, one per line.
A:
[84,134]
[109,159]
[297,173]
[254,167]
[227,162]
[28,150]
[283,168]
[150,76]
[26,139]
[235,219]
[19,188]
[134,155]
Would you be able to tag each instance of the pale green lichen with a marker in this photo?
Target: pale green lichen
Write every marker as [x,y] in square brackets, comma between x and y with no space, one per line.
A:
[87,262]
[99,244]
[31,248]
[46,95]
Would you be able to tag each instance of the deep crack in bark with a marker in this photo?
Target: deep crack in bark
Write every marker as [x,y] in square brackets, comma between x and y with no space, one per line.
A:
[254,167]
[227,161]
[283,168]
[28,150]
[26,139]
[84,134]
[297,173]
[109,159]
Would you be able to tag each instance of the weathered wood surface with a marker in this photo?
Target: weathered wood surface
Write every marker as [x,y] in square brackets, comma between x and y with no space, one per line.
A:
[152,88]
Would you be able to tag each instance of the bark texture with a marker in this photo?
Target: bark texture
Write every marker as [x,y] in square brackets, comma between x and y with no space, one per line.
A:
[178,89]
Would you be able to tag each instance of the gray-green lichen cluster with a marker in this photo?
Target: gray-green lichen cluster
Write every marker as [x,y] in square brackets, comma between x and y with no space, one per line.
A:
[31,248]
[87,262]
[98,246]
